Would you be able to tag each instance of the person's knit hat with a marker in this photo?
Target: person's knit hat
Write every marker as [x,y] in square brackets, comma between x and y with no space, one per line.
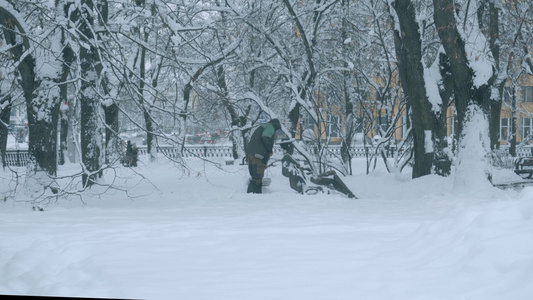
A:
[275,123]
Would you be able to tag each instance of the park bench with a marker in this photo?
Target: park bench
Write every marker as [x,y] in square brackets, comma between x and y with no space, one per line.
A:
[524,167]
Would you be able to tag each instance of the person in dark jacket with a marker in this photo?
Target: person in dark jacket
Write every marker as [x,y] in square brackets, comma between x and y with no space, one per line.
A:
[128,157]
[258,152]
[134,155]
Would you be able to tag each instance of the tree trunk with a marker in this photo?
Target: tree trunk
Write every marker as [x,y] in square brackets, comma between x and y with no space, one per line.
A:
[142,102]
[68,58]
[443,151]
[112,142]
[471,100]
[495,104]
[349,131]
[63,137]
[236,120]
[512,130]
[307,79]
[43,131]
[42,107]
[409,53]
[5,113]
[91,128]
[494,125]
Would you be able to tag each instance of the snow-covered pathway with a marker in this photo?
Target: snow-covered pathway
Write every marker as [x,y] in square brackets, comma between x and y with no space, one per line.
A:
[207,239]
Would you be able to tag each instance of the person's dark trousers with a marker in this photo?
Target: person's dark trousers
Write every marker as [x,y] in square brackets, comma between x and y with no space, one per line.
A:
[256,167]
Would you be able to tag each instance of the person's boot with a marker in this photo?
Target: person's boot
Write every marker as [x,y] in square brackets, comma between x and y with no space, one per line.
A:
[253,188]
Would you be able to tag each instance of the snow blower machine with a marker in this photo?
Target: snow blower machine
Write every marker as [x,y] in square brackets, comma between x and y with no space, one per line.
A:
[302,178]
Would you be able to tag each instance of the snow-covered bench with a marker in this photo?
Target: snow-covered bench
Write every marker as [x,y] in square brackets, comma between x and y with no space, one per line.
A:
[524,167]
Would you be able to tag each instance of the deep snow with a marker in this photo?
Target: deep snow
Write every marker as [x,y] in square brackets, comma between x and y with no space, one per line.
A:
[200,236]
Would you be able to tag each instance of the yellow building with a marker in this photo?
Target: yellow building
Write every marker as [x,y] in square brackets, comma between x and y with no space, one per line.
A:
[332,117]
[523,106]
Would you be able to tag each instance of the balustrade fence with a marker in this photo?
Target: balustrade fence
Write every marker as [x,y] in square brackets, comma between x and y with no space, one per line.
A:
[208,151]
[18,158]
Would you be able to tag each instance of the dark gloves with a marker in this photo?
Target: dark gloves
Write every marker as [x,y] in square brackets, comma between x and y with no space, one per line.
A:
[265,160]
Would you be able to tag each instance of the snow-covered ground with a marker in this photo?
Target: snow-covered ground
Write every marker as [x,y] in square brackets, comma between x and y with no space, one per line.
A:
[198,235]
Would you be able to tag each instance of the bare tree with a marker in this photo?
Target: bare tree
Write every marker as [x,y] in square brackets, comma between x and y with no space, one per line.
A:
[471,87]
[41,94]
[92,149]
[408,42]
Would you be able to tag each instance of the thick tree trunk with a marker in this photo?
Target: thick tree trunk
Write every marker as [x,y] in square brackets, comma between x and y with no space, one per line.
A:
[409,53]
[495,104]
[143,34]
[472,101]
[112,142]
[454,46]
[91,128]
[68,59]
[91,132]
[308,76]
[42,145]
[443,151]
[43,131]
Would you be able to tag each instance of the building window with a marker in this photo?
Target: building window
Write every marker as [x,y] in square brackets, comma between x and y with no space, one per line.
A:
[383,123]
[359,124]
[505,128]
[527,94]
[526,128]
[308,122]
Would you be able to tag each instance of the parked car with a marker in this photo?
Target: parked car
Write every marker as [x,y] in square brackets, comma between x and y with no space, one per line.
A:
[208,139]
[193,139]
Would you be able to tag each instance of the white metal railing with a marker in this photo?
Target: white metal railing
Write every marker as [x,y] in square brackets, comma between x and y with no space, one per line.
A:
[18,158]
[192,151]
[226,151]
